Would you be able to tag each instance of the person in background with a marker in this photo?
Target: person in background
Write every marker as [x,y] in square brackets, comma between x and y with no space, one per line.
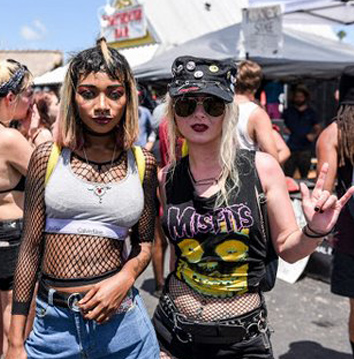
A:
[15,153]
[303,128]
[147,135]
[52,100]
[273,90]
[212,304]
[41,124]
[335,146]
[77,219]
[254,125]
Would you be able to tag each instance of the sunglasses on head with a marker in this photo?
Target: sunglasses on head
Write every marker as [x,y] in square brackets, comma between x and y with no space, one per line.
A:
[185,106]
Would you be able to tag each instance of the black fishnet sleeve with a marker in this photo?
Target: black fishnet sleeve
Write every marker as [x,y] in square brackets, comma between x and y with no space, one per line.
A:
[33,231]
[143,231]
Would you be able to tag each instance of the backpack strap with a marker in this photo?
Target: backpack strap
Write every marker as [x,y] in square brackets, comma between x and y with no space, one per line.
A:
[140,161]
[184,148]
[52,161]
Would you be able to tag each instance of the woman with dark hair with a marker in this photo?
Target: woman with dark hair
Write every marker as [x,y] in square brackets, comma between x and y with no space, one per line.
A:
[77,218]
[212,305]
[41,131]
[15,153]
[336,146]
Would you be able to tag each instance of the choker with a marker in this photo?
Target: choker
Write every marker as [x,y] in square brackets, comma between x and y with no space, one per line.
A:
[204,181]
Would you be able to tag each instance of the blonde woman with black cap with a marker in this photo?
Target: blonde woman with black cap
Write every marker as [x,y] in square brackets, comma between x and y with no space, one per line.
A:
[15,153]
[336,146]
[212,305]
[78,216]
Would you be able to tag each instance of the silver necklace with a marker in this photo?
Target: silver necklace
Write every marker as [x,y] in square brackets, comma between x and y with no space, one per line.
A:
[205,181]
[100,190]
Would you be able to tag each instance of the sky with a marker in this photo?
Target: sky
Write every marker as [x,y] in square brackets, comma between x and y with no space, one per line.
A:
[65,25]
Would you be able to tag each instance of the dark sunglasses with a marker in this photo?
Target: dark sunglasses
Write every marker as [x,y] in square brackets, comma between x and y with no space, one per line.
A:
[185,106]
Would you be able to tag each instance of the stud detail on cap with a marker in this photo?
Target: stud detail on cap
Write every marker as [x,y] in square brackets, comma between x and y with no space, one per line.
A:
[179,69]
[213,68]
[198,74]
[190,65]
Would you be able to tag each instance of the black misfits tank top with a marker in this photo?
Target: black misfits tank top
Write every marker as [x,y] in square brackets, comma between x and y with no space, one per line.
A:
[220,251]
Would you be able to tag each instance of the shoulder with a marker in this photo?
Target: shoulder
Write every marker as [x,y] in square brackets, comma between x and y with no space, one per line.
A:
[268,169]
[42,152]
[150,164]
[329,136]
[259,115]
[10,137]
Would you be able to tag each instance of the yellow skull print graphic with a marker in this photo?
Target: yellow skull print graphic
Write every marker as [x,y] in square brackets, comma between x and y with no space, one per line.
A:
[207,274]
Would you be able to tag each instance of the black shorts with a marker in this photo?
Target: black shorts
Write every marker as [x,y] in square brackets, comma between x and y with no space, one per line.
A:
[342,281]
[10,235]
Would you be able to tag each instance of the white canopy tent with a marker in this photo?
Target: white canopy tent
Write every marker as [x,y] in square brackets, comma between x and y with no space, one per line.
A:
[303,55]
[313,12]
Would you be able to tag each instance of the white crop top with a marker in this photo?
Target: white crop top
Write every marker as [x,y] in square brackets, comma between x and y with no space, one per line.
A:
[74,205]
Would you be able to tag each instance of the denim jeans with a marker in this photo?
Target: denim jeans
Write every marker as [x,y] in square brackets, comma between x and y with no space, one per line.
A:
[60,333]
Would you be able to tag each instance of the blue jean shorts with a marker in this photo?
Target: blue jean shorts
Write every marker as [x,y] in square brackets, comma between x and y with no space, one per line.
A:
[61,333]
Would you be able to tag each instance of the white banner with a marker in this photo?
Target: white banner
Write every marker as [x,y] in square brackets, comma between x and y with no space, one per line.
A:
[126,24]
[263,33]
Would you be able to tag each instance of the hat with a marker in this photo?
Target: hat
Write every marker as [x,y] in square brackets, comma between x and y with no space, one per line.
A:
[203,76]
[346,86]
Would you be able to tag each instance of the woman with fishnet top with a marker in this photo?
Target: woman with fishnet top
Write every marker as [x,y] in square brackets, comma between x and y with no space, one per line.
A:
[212,304]
[77,220]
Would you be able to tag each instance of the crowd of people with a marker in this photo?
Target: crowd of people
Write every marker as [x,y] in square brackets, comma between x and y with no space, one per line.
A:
[93,185]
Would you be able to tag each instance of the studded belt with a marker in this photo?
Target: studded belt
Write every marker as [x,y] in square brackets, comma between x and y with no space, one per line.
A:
[227,331]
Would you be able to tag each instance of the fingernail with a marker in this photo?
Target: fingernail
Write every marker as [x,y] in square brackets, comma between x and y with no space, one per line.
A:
[317,209]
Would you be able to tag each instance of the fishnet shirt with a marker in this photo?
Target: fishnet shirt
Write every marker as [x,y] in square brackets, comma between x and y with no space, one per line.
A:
[69,259]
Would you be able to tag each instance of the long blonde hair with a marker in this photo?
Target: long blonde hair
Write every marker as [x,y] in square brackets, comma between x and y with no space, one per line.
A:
[229,179]
[100,58]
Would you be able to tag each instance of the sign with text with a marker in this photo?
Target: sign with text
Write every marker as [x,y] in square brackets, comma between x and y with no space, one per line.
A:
[127,24]
[262,29]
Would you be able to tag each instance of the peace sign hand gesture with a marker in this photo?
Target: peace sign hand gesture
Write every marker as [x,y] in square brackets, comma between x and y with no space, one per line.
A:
[321,208]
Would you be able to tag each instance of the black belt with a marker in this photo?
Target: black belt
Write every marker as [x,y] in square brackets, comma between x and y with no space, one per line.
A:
[227,331]
[60,299]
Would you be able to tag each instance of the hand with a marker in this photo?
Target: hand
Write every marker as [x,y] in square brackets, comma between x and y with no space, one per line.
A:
[16,352]
[104,299]
[35,120]
[320,208]
[311,137]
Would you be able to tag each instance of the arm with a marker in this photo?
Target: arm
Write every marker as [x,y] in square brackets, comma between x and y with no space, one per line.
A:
[17,149]
[261,131]
[282,148]
[30,250]
[321,210]
[102,301]
[314,133]
[327,151]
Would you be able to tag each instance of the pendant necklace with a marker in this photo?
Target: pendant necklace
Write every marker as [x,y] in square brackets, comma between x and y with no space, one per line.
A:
[100,190]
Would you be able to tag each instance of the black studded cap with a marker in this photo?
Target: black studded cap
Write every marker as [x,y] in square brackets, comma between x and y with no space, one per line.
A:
[203,76]
[346,86]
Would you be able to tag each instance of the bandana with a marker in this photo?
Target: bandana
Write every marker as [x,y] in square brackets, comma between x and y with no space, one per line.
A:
[13,82]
